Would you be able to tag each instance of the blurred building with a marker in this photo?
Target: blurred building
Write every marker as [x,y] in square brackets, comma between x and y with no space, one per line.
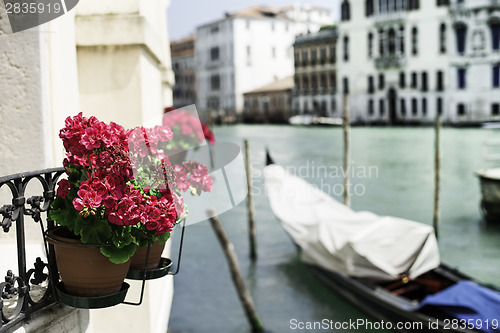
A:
[247,49]
[270,103]
[315,73]
[184,66]
[404,61]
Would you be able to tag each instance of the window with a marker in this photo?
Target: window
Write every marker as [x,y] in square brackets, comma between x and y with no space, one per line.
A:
[345,11]
[403,107]
[439,106]
[314,56]
[296,59]
[414,80]
[414,4]
[214,29]
[496,76]
[314,82]
[495,35]
[322,55]
[461,32]
[442,38]
[371,87]
[402,40]
[333,82]
[305,81]
[273,52]
[346,48]
[461,78]
[443,2]
[414,107]
[381,107]
[296,82]
[323,83]
[369,8]
[495,109]
[215,53]
[332,54]
[392,41]
[414,41]
[439,81]
[370,107]
[345,82]
[305,57]
[424,81]
[249,55]
[381,81]
[424,107]
[370,45]
[461,109]
[381,42]
[402,80]
[215,82]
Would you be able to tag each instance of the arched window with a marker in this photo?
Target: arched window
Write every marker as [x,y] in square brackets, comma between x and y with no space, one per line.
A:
[402,40]
[424,81]
[345,11]
[370,44]
[381,107]
[381,42]
[346,48]
[392,41]
[414,41]
[461,34]
[495,34]
[442,38]
[414,107]
[413,4]
[369,8]
[439,81]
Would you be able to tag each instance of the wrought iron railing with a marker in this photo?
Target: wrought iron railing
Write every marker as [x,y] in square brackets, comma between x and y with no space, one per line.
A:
[17,301]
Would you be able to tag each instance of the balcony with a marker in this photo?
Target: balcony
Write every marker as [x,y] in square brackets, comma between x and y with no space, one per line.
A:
[391,61]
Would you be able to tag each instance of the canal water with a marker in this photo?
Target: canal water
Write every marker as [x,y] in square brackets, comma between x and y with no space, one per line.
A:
[392,171]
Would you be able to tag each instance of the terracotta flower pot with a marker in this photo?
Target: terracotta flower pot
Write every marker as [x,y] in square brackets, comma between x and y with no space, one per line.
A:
[84,270]
[139,257]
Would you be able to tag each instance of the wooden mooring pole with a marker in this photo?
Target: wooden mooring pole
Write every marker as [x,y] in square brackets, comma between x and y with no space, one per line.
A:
[251,213]
[437,163]
[244,295]
[346,124]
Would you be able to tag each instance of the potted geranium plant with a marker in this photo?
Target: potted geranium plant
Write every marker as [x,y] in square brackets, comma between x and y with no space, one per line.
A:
[120,191]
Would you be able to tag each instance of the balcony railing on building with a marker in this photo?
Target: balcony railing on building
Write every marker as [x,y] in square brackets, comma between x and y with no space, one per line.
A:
[32,288]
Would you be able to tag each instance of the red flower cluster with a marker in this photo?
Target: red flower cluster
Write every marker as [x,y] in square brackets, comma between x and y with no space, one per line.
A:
[106,184]
[186,127]
[194,176]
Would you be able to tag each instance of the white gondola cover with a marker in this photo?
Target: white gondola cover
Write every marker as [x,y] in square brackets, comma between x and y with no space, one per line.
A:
[336,238]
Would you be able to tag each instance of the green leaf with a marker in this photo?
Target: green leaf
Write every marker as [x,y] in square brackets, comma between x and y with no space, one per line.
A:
[163,238]
[119,256]
[63,213]
[93,230]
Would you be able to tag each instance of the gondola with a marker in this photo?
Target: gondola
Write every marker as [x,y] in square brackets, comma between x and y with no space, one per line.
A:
[387,267]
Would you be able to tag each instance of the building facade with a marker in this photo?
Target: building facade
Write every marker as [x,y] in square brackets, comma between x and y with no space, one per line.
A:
[393,60]
[184,66]
[248,49]
[269,104]
[475,60]
[315,74]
